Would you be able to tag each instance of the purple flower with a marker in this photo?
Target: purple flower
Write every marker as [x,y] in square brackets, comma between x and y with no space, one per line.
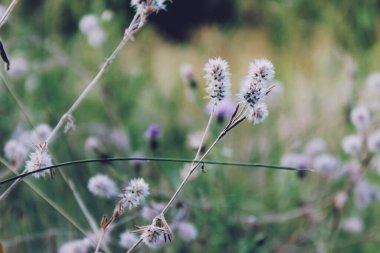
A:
[224,110]
[153,132]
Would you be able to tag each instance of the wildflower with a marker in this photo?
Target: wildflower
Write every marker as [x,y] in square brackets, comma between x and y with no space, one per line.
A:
[253,90]
[363,194]
[77,246]
[19,67]
[38,160]
[340,199]
[134,193]
[107,15]
[127,239]
[187,74]
[96,37]
[218,80]
[326,163]
[374,142]
[224,111]
[259,114]
[102,186]
[157,233]
[352,144]
[153,134]
[149,5]
[360,118]
[119,139]
[353,225]
[41,133]
[295,160]
[88,23]
[187,231]
[373,81]
[93,145]
[315,147]
[16,152]
[151,210]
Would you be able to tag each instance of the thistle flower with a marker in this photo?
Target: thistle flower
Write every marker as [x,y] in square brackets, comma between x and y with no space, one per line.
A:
[153,134]
[374,142]
[187,231]
[127,239]
[102,186]
[352,144]
[38,160]
[134,193]
[187,73]
[253,90]
[360,118]
[218,80]
[15,152]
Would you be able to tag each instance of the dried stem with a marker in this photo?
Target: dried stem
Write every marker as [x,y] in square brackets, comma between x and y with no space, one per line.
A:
[7,12]
[133,28]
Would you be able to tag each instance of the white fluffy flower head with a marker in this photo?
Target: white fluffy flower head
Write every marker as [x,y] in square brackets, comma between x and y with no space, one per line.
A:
[218,80]
[253,90]
[134,193]
[352,144]
[127,239]
[38,160]
[16,152]
[102,186]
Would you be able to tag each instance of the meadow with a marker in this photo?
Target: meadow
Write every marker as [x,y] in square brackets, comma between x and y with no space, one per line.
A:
[322,135]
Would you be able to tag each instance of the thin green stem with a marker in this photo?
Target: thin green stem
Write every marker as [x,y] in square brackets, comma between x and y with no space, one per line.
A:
[173,160]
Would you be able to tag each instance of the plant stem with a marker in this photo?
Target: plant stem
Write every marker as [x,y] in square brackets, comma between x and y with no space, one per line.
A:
[7,12]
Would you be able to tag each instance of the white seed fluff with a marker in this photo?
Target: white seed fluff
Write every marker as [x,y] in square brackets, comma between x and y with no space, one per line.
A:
[218,80]
[37,160]
[88,23]
[134,193]
[102,186]
[77,246]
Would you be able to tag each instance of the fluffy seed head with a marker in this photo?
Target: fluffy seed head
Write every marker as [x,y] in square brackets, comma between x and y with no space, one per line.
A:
[134,193]
[16,152]
[261,71]
[326,163]
[259,114]
[153,236]
[88,23]
[352,144]
[218,80]
[39,159]
[360,118]
[102,186]
[373,81]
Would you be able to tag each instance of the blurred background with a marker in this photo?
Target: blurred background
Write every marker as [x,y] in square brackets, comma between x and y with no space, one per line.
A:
[326,58]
